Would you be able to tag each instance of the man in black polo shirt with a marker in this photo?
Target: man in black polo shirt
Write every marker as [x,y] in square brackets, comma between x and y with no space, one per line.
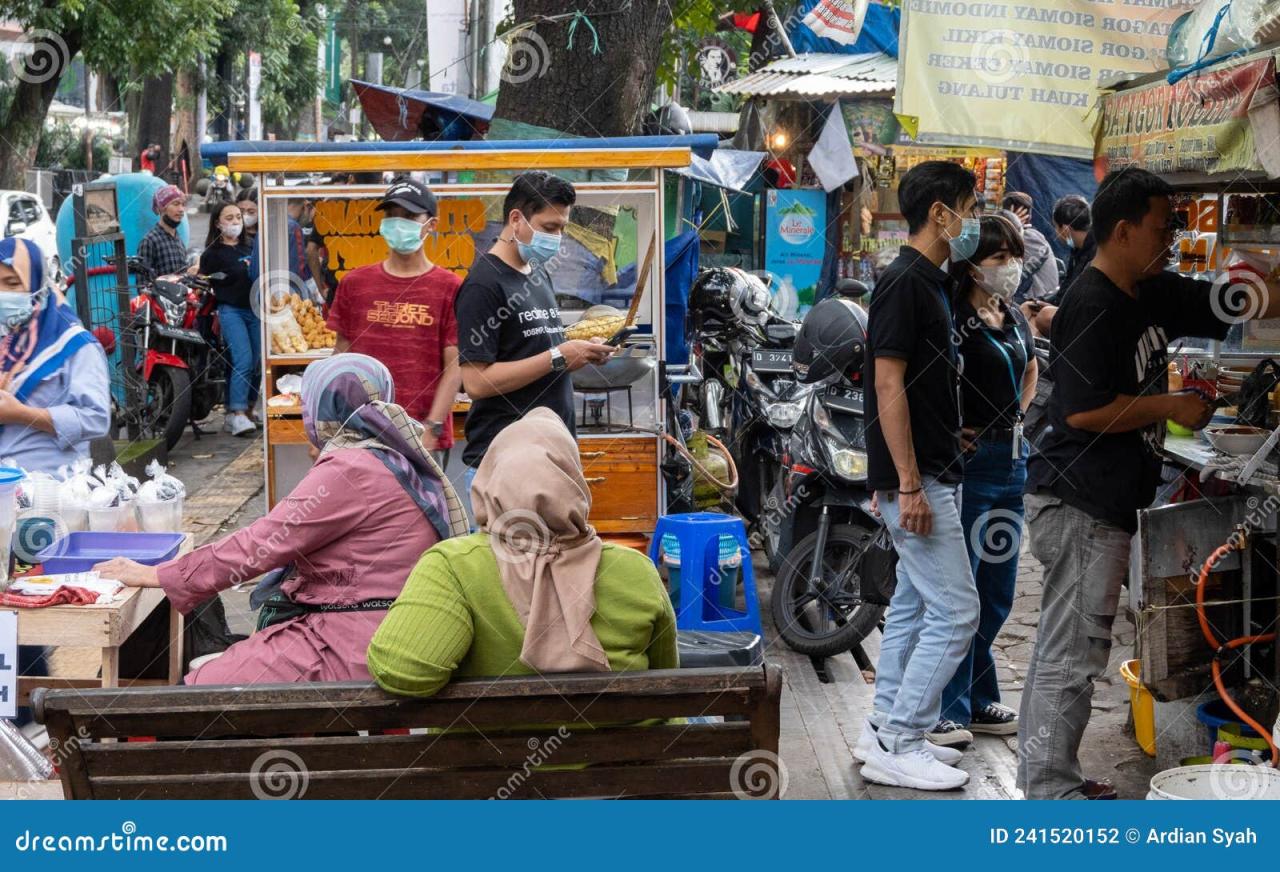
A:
[914,465]
[1099,462]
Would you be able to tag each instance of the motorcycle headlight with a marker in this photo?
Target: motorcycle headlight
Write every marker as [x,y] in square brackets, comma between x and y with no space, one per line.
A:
[848,463]
[784,414]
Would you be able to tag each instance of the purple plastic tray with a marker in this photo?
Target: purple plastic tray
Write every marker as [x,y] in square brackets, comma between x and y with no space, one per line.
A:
[78,552]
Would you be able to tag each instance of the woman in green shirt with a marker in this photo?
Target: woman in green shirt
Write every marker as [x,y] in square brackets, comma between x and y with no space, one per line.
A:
[534,591]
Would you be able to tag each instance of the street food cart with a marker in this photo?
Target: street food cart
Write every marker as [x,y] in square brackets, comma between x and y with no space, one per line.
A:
[1213,136]
[614,243]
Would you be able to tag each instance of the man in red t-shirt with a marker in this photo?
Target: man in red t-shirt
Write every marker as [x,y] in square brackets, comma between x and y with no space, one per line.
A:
[400,311]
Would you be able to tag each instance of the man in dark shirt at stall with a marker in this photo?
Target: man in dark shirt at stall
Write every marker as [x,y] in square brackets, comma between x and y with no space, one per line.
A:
[510,339]
[1099,463]
[912,373]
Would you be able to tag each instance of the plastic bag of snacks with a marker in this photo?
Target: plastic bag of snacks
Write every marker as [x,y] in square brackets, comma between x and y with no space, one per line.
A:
[73,496]
[160,499]
[111,504]
[286,335]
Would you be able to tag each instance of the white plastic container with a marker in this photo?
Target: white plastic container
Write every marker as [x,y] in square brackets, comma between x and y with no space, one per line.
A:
[113,519]
[9,478]
[1216,781]
[164,517]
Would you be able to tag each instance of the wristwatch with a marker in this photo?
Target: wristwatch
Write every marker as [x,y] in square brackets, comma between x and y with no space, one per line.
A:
[435,428]
[558,363]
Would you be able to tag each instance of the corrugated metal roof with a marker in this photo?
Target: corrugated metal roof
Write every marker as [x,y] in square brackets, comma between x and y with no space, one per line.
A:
[819,75]
[713,122]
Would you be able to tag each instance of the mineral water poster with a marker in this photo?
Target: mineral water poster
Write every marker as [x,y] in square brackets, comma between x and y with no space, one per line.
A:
[795,223]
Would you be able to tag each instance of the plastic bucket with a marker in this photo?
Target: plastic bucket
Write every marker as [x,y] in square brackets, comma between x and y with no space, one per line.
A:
[1216,781]
[9,478]
[1143,705]
[1215,715]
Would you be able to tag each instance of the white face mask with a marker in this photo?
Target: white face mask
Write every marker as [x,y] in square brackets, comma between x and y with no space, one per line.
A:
[1003,279]
[250,220]
[232,230]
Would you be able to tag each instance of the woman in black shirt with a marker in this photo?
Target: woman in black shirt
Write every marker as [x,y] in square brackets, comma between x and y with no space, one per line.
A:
[226,252]
[998,381]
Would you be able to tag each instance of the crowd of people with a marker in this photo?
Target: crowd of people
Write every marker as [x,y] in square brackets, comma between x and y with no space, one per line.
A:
[951,370]
[374,566]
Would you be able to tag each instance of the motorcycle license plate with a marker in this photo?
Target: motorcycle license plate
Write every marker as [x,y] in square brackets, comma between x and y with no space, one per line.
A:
[771,360]
[844,399]
[179,333]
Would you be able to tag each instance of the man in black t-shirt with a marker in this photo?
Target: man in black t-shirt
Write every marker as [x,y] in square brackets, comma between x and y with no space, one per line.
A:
[510,340]
[1099,462]
[914,465]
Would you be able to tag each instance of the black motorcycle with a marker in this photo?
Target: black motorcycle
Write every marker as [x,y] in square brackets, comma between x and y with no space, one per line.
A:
[749,398]
[837,567]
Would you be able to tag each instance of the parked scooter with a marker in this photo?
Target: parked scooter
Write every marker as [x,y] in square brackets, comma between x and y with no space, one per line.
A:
[837,566]
[749,398]
[181,371]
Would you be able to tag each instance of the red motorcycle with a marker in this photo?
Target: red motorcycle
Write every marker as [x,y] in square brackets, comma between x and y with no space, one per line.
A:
[174,350]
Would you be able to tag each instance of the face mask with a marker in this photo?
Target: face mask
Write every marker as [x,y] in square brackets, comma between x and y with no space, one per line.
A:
[1003,279]
[401,234]
[964,245]
[232,230]
[170,222]
[1071,241]
[540,248]
[250,220]
[15,308]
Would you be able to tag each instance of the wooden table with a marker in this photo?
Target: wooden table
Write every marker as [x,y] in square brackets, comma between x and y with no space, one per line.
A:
[99,626]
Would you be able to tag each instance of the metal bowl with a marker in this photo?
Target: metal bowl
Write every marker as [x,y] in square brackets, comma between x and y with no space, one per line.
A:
[625,368]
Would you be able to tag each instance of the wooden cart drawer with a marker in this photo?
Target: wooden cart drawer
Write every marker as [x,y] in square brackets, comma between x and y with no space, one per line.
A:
[624,502]
[285,430]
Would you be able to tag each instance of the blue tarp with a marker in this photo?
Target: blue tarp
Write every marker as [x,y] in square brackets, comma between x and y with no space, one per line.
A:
[879,32]
[1047,178]
[681,253]
[702,144]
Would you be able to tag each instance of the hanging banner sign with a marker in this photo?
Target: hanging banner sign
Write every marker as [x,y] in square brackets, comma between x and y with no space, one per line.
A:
[1206,123]
[1021,74]
[795,241]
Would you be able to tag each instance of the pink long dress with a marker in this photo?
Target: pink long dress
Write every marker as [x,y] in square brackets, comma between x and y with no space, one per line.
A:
[354,535]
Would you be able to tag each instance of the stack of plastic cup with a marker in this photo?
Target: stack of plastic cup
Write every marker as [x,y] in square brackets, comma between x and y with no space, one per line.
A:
[9,478]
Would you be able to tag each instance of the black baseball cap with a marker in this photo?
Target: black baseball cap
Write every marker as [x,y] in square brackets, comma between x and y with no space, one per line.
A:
[411,195]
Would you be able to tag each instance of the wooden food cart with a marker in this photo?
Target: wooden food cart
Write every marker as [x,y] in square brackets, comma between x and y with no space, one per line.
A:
[618,221]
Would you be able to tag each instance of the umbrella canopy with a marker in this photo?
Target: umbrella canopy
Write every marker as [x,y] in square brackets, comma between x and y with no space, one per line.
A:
[402,114]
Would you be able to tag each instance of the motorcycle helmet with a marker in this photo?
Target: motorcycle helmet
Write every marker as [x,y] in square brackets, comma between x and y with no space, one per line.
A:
[751,298]
[833,339]
[709,297]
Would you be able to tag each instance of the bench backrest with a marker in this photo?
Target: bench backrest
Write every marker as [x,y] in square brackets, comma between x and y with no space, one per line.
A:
[303,741]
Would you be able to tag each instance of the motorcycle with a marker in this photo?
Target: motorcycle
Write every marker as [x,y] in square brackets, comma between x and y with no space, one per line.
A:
[749,397]
[182,371]
[837,565]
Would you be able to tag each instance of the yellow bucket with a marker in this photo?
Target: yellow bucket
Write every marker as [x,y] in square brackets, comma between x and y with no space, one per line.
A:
[1143,705]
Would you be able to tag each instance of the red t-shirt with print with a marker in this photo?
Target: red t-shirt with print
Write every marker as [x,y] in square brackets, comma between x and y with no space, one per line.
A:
[405,322]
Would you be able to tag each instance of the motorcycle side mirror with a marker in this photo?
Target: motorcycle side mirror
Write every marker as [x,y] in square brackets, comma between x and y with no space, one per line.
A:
[851,288]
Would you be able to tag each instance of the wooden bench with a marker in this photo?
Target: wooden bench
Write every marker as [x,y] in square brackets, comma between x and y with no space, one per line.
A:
[302,740]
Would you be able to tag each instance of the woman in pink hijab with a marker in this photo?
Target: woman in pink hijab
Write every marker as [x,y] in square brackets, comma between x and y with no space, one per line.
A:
[534,591]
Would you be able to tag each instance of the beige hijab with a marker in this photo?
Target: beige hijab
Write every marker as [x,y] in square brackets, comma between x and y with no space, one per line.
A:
[530,496]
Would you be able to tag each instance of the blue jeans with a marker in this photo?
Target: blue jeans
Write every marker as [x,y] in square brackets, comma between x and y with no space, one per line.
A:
[930,623]
[991,512]
[242,332]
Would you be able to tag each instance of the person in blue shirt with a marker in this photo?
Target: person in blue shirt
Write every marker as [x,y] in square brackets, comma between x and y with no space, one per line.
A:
[55,390]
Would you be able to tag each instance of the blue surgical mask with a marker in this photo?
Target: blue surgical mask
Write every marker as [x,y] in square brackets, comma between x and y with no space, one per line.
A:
[965,245]
[540,248]
[15,309]
[404,236]
[1071,241]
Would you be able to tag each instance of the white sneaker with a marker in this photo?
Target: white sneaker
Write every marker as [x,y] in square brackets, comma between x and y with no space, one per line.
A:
[917,769]
[238,424]
[862,749]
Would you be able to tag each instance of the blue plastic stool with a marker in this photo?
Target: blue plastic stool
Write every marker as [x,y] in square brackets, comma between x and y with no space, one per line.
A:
[699,536]
[727,580]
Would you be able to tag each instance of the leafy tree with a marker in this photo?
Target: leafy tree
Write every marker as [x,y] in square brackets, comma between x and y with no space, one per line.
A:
[125,38]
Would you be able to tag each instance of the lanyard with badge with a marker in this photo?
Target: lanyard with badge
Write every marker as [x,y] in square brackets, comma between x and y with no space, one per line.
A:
[1017,393]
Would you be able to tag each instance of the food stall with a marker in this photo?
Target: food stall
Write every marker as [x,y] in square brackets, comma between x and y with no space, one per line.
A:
[1214,137]
[614,264]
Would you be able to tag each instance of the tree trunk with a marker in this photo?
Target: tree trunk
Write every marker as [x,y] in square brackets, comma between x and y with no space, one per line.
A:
[573,89]
[186,138]
[24,123]
[155,113]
